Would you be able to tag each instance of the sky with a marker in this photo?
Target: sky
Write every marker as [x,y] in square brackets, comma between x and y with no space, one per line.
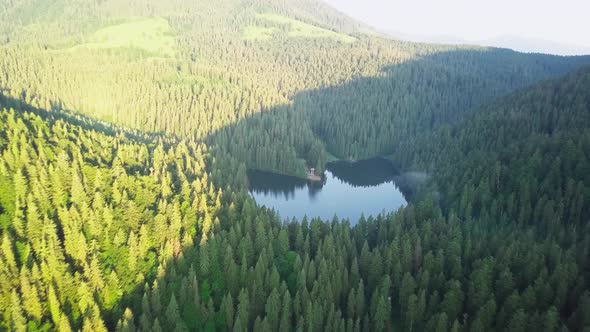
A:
[551,26]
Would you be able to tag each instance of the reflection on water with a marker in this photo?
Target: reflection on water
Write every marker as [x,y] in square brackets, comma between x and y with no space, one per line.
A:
[280,186]
[347,190]
[363,173]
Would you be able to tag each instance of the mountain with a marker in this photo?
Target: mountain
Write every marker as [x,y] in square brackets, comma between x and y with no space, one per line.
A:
[536,45]
[526,156]
[127,129]
[202,70]
[62,21]
[431,39]
[516,43]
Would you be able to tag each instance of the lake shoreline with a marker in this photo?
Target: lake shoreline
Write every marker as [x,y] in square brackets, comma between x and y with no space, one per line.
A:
[346,189]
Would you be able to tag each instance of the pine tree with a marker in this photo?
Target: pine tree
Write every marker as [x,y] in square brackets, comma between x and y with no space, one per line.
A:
[157,327]
[272,310]
[17,320]
[155,299]
[30,297]
[54,305]
[381,315]
[243,312]
[126,323]
[64,324]
[441,323]
[285,324]
[238,325]
[172,313]
[518,321]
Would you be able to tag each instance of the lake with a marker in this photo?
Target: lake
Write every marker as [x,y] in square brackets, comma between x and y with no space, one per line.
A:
[348,190]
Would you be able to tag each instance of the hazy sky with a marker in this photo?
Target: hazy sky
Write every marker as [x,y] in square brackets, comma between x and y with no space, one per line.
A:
[559,21]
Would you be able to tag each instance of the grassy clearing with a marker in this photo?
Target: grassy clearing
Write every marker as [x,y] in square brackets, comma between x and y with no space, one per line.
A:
[151,35]
[295,29]
[254,32]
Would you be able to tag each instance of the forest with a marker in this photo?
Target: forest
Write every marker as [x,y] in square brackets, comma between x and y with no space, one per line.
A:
[127,129]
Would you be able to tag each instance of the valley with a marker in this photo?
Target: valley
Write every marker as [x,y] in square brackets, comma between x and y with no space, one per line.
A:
[153,158]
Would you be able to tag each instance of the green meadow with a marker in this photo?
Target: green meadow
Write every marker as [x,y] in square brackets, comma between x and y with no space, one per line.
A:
[151,35]
[294,29]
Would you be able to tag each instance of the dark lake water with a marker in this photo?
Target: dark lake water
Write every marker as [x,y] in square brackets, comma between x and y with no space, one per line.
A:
[348,190]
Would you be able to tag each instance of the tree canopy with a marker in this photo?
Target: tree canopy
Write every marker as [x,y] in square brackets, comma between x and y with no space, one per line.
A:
[127,129]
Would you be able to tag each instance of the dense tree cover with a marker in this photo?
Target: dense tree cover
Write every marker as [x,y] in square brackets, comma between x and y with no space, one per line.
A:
[417,96]
[100,231]
[202,101]
[524,159]
[126,226]
[86,216]
[356,100]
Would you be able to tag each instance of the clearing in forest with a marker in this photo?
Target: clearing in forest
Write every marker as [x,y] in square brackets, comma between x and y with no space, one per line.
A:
[151,35]
[293,28]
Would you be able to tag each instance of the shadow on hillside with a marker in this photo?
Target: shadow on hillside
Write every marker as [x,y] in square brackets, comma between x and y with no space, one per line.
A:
[372,116]
[363,118]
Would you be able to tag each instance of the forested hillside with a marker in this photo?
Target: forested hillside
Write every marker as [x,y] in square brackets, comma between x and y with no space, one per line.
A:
[372,116]
[87,216]
[127,129]
[526,156]
[102,231]
[203,70]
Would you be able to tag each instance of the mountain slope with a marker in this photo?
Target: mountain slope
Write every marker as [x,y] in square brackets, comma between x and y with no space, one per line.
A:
[55,22]
[102,231]
[205,71]
[75,202]
[522,159]
[112,215]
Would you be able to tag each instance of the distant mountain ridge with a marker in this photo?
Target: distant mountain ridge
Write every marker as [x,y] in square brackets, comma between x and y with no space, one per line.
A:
[516,43]
[536,45]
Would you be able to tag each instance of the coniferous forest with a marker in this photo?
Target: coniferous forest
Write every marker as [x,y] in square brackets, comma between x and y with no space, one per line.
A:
[127,129]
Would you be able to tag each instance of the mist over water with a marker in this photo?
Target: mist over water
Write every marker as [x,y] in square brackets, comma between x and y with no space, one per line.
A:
[348,190]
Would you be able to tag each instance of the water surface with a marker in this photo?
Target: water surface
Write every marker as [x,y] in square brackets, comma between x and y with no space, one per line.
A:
[348,190]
